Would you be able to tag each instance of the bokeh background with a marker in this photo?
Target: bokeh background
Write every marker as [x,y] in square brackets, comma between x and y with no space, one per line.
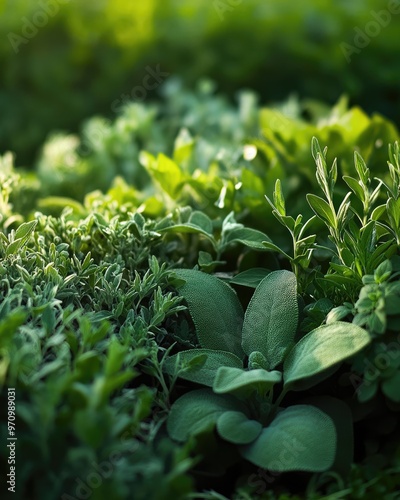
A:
[89,53]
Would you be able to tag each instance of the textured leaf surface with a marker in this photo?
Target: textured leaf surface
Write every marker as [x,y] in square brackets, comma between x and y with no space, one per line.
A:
[270,322]
[232,379]
[198,411]
[235,427]
[323,348]
[301,437]
[203,373]
[215,309]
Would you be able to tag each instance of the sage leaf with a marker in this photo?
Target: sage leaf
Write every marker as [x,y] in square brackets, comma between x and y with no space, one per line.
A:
[323,348]
[271,318]
[198,411]
[233,379]
[235,427]
[215,310]
[300,437]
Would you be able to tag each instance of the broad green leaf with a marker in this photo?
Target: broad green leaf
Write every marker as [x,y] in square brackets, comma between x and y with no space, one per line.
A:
[215,309]
[248,237]
[204,372]
[342,418]
[167,173]
[300,437]
[235,379]
[270,322]
[235,427]
[321,209]
[198,411]
[251,277]
[323,348]
[201,220]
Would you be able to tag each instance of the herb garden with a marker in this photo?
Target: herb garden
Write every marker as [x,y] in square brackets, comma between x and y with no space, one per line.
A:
[200,292]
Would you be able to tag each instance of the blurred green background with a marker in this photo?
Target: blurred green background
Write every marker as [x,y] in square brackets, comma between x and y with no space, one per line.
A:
[63,61]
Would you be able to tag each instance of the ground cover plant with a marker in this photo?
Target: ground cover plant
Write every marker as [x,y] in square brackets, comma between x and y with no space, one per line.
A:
[202,302]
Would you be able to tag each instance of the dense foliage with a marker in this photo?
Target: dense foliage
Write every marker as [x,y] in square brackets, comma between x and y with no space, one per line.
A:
[200,302]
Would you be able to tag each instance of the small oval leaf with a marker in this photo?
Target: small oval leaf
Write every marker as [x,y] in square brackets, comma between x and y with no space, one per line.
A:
[235,427]
[234,379]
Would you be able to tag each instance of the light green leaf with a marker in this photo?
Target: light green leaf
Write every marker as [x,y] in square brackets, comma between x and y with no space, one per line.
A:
[322,209]
[198,411]
[167,173]
[271,318]
[234,379]
[201,220]
[279,200]
[204,372]
[354,186]
[323,348]
[215,309]
[235,427]
[22,236]
[377,212]
[361,167]
[25,229]
[299,438]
